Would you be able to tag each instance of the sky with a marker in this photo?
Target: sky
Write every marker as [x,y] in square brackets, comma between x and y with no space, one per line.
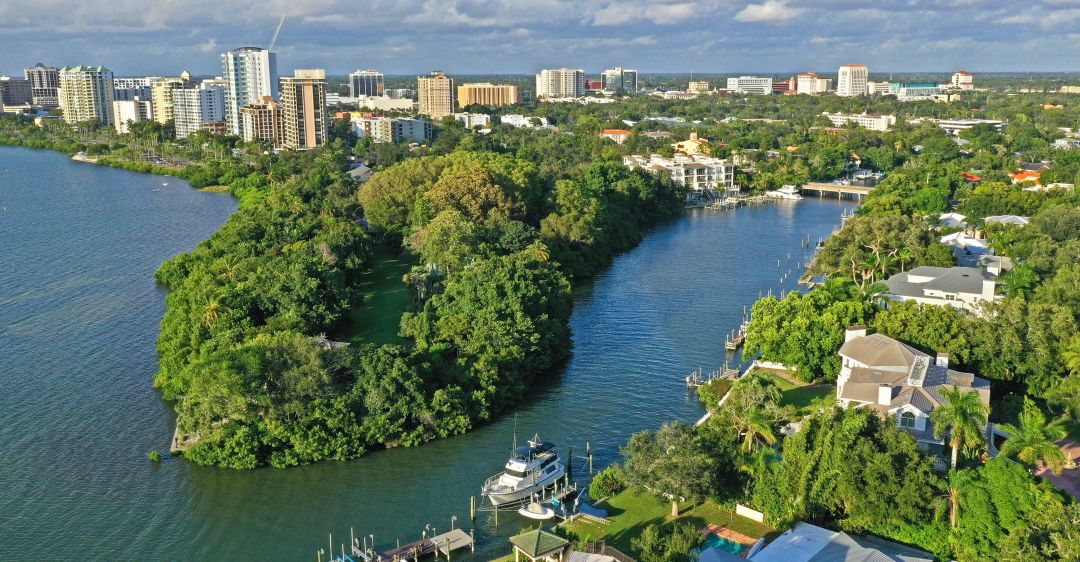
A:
[164,37]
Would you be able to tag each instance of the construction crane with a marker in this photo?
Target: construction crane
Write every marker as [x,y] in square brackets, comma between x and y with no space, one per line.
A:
[278,30]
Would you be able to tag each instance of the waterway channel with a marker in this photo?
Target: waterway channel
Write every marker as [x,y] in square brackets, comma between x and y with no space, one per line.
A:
[79,314]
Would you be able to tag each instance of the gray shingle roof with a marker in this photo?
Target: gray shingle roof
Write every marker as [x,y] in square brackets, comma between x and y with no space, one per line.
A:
[877,350]
[945,279]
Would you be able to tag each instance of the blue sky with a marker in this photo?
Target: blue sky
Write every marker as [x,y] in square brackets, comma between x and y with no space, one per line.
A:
[138,37]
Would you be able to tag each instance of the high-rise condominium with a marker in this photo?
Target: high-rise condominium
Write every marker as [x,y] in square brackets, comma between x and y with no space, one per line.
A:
[851,80]
[485,93]
[250,74]
[435,94]
[194,106]
[44,85]
[366,83]
[262,120]
[126,112]
[86,94]
[303,104]
[162,94]
[560,83]
[619,80]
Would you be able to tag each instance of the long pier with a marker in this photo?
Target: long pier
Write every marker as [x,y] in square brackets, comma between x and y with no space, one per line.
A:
[440,545]
[851,191]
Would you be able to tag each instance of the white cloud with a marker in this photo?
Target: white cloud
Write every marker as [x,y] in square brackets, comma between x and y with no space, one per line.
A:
[209,46]
[771,11]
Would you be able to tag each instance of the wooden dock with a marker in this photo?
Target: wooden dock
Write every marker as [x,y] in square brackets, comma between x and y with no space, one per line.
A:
[439,545]
[841,190]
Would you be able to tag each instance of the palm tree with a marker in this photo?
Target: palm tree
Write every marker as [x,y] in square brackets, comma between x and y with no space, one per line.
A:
[958,480]
[1032,439]
[963,415]
[756,463]
[874,293]
[905,255]
[1021,281]
[758,424]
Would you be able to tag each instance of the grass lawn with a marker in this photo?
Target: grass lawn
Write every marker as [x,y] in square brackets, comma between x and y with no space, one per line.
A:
[386,298]
[806,398]
[631,512]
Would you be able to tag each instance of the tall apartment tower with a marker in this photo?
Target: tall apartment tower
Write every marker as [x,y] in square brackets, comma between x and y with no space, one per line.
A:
[86,94]
[560,83]
[262,120]
[435,94]
[366,83]
[303,105]
[619,79]
[486,93]
[194,106]
[250,74]
[126,112]
[44,85]
[851,80]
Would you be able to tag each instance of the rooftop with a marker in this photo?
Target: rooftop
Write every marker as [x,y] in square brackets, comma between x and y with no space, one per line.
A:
[916,282]
[538,543]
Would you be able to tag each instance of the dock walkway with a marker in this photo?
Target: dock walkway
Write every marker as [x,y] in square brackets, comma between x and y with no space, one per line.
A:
[440,545]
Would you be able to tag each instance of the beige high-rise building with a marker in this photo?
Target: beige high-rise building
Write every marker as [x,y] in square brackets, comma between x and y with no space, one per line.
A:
[262,121]
[303,104]
[162,95]
[560,83]
[86,94]
[435,94]
[963,80]
[851,80]
[486,93]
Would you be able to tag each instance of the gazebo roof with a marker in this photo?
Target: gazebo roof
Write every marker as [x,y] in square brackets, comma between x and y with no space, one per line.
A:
[538,543]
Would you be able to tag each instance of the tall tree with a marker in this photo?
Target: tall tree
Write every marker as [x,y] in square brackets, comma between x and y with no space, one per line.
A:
[963,416]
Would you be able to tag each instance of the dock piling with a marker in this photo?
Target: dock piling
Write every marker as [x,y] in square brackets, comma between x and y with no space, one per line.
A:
[472,508]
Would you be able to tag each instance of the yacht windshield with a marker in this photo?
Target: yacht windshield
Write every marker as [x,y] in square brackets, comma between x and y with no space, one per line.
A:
[515,473]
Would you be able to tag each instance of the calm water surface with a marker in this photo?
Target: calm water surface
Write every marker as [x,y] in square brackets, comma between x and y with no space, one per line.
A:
[79,313]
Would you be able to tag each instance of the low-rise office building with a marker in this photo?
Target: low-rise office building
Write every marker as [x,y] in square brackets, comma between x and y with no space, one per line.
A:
[867,121]
[757,85]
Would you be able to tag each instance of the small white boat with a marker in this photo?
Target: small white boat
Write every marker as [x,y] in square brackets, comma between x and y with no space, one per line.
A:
[789,192]
[537,511]
[532,468]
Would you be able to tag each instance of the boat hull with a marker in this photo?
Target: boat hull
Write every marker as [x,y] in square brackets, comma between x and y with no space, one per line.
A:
[524,493]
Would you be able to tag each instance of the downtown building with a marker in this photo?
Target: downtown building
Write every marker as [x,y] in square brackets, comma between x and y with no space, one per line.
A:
[811,84]
[44,85]
[196,107]
[126,89]
[162,94]
[392,129]
[366,83]
[250,74]
[750,85]
[619,80]
[560,83]
[435,95]
[126,112]
[487,94]
[262,121]
[86,94]
[851,80]
[15,92]
[962,80]
[303,104]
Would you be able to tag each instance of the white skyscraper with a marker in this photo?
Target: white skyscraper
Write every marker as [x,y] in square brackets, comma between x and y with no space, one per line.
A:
[366,83]
[560,83]
[193,106]
[250,74]
[851,80]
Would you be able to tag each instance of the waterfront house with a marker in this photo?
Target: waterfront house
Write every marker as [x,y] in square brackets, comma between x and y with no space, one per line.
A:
[809,543]
[964,288]
[895,379]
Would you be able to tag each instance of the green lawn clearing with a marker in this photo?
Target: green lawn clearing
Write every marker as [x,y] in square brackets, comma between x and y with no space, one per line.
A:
[385,296]
[630,512]
[806,398]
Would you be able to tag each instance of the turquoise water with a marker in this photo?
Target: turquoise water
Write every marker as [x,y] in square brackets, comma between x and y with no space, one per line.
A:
[79,313]
[724,544]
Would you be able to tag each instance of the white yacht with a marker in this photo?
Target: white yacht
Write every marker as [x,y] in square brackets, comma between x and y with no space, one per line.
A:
[531,469]
[787,192]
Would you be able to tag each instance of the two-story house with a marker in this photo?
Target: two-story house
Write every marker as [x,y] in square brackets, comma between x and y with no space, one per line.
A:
[964,288]
[896,379]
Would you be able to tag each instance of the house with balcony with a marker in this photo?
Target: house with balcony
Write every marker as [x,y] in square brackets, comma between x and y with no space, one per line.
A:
[964,288]
[895,379]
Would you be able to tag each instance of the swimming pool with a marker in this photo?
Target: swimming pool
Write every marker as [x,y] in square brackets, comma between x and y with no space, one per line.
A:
[727,545]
